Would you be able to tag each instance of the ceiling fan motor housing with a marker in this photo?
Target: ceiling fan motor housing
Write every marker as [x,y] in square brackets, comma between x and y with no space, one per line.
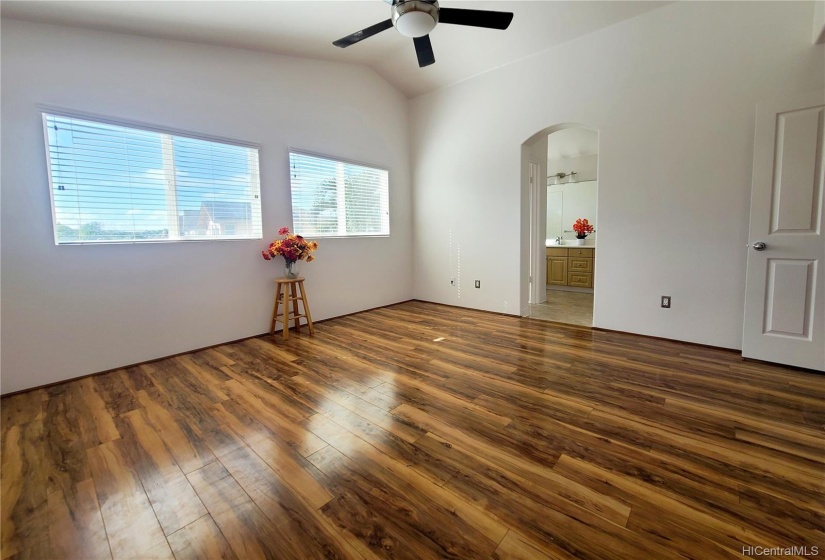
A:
[414,18]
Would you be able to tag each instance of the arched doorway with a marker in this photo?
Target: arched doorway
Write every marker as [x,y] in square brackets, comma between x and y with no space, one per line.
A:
[559,164]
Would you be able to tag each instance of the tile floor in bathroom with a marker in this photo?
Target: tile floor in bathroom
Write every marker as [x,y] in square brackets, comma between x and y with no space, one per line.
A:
[575,308]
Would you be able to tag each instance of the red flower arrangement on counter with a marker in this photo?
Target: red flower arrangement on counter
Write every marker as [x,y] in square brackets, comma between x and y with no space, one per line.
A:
[583,228]
[292,248]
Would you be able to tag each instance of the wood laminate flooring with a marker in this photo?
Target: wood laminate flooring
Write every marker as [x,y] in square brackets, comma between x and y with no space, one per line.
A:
[574,308]
[420,431]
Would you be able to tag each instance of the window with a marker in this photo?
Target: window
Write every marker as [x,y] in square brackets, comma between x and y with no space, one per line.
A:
[333,198]
[112,183]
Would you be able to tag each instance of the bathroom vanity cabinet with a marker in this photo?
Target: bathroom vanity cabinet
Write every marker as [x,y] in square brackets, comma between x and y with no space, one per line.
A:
[570,266]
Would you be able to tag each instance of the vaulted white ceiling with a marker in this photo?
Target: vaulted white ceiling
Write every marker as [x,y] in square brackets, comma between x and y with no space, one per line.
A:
[306,28]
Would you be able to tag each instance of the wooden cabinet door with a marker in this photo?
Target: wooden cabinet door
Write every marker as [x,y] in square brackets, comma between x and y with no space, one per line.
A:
[557,271]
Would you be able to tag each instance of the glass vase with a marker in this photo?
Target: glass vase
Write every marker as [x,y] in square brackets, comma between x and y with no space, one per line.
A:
[291,270]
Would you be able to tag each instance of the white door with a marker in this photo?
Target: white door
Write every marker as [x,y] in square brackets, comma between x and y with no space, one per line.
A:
[785,293]
[537,261]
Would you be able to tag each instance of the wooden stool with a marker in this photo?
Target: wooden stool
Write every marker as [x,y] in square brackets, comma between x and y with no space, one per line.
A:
[284,293]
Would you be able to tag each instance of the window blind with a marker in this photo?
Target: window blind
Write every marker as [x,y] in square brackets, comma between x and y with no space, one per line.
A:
[114,183]
[334,198]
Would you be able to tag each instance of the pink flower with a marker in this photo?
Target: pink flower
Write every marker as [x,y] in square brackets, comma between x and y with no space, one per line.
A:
[266,256]
[283,231]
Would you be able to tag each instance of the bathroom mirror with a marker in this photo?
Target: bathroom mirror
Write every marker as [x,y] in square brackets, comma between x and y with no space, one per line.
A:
[566,203]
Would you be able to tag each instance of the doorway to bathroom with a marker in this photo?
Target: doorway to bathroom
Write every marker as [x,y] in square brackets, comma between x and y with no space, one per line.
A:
[564,229]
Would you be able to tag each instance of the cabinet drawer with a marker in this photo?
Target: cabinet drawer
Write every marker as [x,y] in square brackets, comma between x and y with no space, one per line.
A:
[589,253]
[555,252]
[579,264]
[580,279]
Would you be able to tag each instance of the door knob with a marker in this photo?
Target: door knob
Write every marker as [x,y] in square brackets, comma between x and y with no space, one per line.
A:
[759,246]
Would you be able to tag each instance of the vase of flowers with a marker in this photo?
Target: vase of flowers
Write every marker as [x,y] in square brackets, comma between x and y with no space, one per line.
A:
[292,248]
[583,228]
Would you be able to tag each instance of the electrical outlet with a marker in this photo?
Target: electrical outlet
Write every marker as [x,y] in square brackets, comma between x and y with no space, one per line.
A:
[478,283]
[666,302]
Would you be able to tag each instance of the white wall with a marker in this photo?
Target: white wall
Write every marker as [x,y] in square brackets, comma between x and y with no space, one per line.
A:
[74,310]
[673,94]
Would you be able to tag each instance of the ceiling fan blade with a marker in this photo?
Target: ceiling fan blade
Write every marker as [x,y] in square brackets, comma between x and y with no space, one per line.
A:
[475,18]
[363,34]
[424,50]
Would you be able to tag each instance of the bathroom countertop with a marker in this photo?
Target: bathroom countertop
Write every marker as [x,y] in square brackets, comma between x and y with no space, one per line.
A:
[570,245]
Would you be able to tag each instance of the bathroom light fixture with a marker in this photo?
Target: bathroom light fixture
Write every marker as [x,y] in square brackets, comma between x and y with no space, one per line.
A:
[558,177]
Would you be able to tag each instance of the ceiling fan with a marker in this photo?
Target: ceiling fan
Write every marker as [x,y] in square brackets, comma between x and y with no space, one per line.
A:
[416,18]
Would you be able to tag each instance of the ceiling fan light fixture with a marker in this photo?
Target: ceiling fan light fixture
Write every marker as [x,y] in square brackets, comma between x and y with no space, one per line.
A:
[415,24]
[415,18]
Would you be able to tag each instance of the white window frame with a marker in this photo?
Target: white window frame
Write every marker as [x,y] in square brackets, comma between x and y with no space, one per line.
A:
[167,133]
[341,234]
